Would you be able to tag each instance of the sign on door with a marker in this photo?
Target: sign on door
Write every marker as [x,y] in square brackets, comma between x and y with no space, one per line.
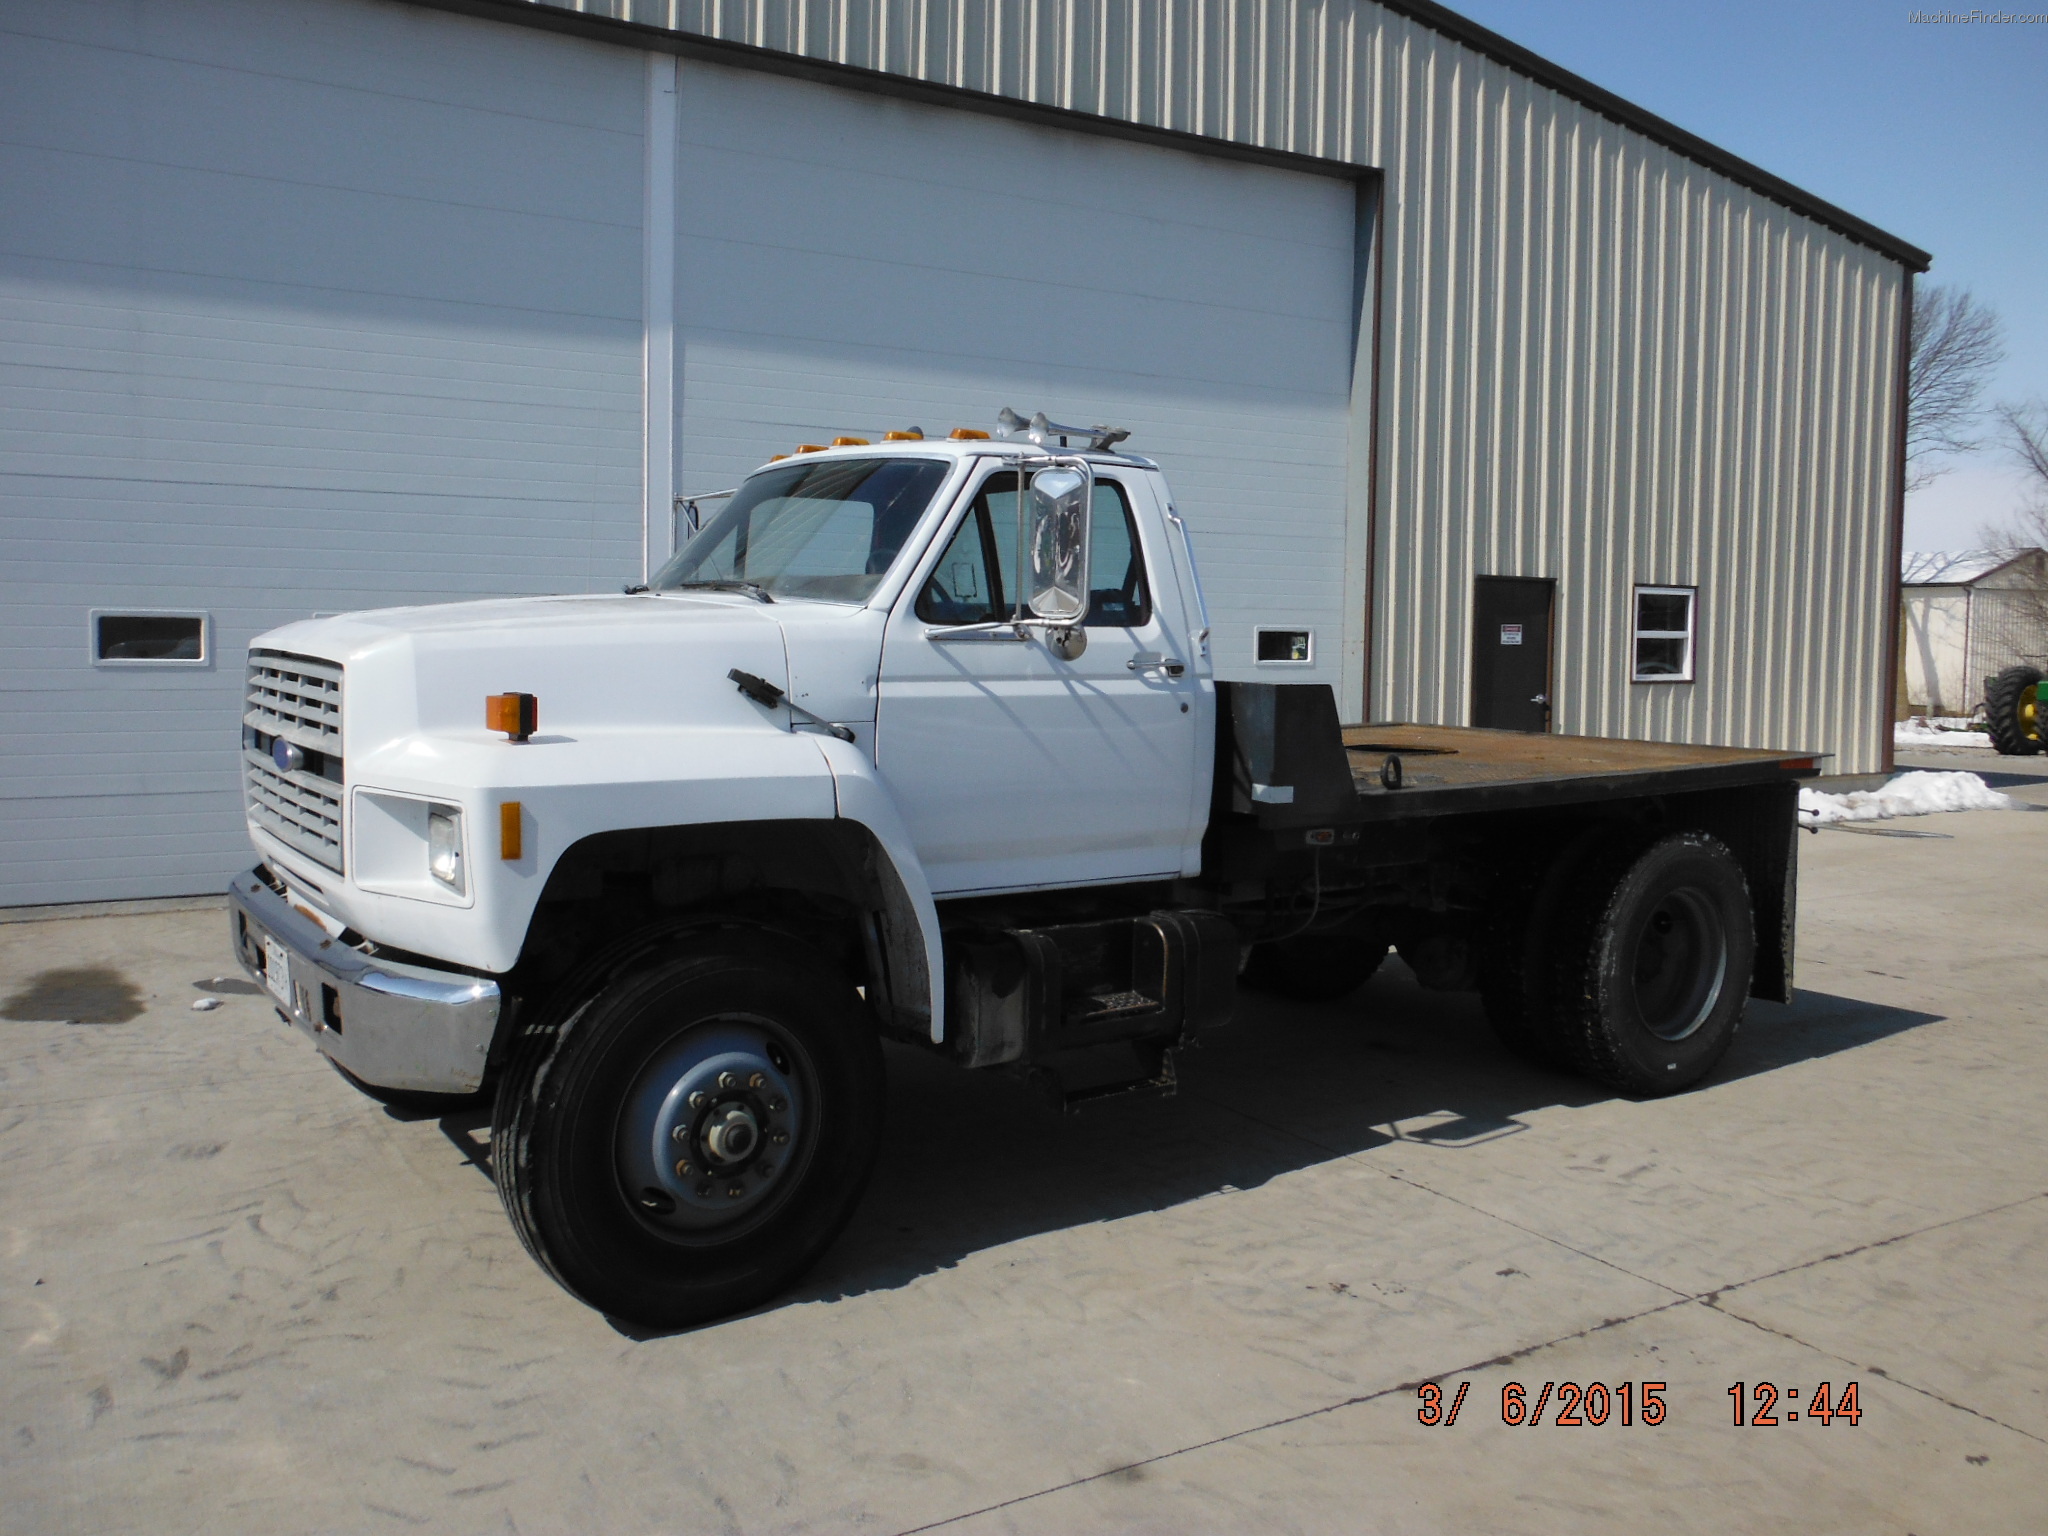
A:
[1511,634]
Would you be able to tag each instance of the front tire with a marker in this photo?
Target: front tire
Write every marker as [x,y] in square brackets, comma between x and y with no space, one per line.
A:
[689,1138]
[1653,966]
[2012,709]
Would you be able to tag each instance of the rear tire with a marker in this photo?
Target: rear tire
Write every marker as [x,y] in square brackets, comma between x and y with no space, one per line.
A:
[2011,706]
[1516,959]
[1652,966]
[1316,967]
[689,1138]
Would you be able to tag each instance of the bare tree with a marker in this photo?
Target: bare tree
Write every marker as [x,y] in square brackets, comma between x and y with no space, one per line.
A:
[2023,433]
[1956,344]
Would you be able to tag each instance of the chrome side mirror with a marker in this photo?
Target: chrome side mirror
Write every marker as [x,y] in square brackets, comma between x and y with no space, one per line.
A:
[1056,543]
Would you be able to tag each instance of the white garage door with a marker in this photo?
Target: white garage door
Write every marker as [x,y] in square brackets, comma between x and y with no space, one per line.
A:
[338,304]
[848,263]
[303,308]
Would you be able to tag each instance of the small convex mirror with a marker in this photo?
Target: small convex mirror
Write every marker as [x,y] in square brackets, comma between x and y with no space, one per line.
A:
[1056,524]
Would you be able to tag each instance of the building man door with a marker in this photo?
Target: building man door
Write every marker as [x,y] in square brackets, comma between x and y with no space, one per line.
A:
[1511,652]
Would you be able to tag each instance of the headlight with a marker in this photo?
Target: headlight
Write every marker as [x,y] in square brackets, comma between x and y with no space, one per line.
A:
[444,846]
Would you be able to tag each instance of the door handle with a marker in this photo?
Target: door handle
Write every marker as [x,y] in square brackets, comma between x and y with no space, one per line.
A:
[1145,661]
[1540,698]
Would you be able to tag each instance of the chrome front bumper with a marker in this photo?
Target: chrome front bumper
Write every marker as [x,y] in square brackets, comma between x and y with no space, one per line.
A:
[392,1025]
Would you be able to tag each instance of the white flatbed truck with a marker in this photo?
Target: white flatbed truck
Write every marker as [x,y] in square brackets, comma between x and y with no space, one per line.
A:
[920,741]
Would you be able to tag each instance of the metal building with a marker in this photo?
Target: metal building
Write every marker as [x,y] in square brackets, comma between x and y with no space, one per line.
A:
[1489,396]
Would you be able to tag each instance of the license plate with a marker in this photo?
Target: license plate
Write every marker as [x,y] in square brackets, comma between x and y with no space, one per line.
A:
[277,970]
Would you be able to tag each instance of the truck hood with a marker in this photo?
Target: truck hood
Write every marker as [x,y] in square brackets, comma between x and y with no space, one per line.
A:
[597,664]
[510,616]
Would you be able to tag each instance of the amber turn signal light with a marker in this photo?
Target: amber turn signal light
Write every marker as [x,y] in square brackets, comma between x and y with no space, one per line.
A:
[510,845]
[516,714]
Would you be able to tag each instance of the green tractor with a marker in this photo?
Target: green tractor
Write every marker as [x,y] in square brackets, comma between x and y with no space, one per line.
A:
[2016,700]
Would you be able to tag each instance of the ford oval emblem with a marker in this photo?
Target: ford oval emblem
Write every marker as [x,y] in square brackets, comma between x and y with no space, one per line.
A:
[287,756]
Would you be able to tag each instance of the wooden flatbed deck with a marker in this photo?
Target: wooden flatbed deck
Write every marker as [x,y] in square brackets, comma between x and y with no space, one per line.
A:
[1447,769]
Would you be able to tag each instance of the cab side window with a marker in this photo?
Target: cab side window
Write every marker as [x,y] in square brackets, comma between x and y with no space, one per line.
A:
[975,582]
[1118,597]
[967,587]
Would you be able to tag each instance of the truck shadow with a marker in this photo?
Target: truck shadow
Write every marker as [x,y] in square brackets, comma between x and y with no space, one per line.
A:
[974,1161]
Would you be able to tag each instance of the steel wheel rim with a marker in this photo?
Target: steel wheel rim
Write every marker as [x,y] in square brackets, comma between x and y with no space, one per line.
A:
[1678,964]
[715,1129]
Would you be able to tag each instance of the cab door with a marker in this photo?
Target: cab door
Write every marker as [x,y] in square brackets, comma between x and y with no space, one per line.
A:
[1015,767]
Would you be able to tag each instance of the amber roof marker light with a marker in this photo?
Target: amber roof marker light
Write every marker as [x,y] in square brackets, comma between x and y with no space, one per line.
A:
[516,714]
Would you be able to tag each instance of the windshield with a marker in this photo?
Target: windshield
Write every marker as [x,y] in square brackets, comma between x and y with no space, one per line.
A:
[828,530]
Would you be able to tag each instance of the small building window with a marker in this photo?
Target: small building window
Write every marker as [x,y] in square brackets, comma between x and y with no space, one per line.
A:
[1664,634]
[1288,646]
[148,638]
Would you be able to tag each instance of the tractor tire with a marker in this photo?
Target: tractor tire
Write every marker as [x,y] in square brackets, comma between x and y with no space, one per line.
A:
[2009,701]
[685,1137]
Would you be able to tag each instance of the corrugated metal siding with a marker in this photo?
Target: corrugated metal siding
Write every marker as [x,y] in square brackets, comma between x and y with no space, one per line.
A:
[263,356]
[2006,627]
[1601,362]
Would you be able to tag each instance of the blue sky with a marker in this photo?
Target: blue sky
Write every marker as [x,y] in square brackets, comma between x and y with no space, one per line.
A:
[1938,133]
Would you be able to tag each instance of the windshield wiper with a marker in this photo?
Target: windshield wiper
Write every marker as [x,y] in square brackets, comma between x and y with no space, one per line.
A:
[753,589]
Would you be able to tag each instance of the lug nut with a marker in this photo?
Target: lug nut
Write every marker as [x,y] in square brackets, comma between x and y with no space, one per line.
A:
[682,1170]
[734,1191]
[758,1080]
[767,1170]
[727,1080]
[780,1138]
[696,1101]
[776,1106]
[681,1133]
[704,1189]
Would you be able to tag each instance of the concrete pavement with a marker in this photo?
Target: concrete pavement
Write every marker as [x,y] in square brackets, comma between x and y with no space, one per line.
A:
[235,1295]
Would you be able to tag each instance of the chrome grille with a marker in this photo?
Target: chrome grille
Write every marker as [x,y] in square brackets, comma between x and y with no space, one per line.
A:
[298,700]
[295,697]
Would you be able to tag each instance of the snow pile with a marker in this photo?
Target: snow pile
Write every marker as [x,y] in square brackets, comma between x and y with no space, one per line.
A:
[1938,731]
[1910,794]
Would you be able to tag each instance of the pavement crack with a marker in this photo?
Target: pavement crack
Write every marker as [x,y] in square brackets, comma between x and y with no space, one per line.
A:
[1713,1302]
[1128,1468]
[1507,1221]
[1711,1299]
[1874,1244]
